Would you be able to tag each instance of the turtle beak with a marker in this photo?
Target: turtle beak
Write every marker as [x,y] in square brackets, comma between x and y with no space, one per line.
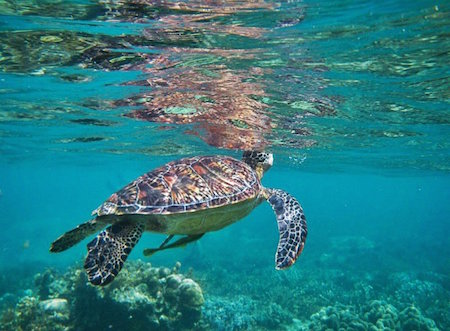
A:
[268,162]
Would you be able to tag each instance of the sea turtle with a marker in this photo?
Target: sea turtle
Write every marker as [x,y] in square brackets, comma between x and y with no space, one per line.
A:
[190,197]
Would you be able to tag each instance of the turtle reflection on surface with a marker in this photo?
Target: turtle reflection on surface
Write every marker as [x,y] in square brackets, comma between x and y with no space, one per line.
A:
[224,104]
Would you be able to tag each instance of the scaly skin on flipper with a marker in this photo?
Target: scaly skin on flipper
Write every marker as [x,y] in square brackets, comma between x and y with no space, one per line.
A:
[74,236]
[109,250]
[291,226]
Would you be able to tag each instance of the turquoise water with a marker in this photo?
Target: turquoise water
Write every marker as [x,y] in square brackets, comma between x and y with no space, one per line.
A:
[352,99]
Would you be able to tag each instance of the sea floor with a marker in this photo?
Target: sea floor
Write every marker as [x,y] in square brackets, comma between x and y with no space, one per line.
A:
[320,297]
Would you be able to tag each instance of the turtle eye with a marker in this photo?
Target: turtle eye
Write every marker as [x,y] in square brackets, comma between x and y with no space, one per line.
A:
[247,154]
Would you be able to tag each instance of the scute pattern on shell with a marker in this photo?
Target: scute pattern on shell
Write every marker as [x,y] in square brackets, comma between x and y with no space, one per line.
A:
[188,184]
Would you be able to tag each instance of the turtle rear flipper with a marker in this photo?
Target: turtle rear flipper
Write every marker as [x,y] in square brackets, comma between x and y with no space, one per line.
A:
[74,236]
[109,250]
[179,243]
[291,226]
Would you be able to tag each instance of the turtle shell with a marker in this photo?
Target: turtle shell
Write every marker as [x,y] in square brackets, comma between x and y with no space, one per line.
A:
[186,185]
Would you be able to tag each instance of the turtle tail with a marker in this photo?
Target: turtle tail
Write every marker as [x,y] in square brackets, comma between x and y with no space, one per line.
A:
[74,236]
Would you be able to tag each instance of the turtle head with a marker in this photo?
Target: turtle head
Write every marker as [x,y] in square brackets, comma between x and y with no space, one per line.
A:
[259,161]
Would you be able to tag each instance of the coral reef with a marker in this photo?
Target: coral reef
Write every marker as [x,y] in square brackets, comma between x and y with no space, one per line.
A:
[375,315]
[243,313]
[143,297]
[147,298]
[223,314]
[412,319]
[337,317]
[409,288]
[380,314]
[32,314]
[317,298]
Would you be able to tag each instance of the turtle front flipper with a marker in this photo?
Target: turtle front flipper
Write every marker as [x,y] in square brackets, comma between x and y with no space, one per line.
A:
[74,236]
[291,226]
[109,250]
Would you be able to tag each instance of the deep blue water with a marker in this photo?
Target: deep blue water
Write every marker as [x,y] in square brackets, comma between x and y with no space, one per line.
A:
[352,99]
